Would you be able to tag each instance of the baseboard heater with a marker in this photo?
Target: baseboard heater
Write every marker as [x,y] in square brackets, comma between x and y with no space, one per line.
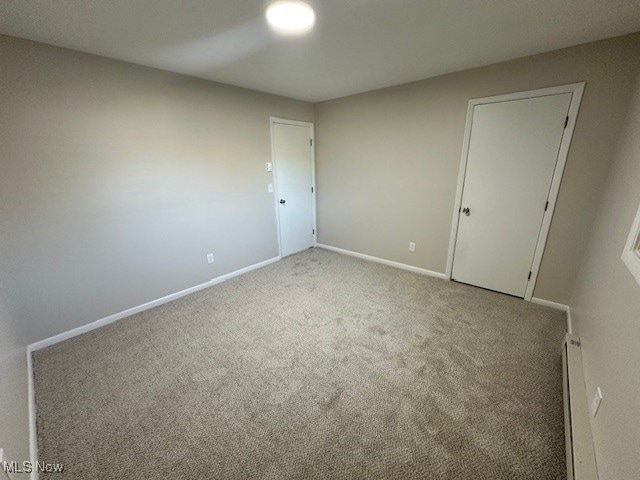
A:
[581,459]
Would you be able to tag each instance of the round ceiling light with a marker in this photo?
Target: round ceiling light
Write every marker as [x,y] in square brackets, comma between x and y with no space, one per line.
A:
[291,16]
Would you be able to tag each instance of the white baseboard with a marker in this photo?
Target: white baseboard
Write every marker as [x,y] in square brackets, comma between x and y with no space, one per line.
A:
[411,268]
[391,263]
[146,306]
[33,439]
[33,434]
[558,306]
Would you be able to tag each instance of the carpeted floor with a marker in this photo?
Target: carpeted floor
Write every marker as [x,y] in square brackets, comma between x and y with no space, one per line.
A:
[319,366]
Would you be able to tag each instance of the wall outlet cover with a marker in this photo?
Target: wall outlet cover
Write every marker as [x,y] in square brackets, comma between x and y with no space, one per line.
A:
[209,257]
[412,247]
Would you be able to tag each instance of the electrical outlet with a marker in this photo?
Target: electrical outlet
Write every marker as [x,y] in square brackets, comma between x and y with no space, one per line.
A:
[412,247]
[209,257]
[595,402]
[1,455]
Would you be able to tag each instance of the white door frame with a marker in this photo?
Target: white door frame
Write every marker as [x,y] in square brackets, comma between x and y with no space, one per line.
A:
[284,121]
[576,89]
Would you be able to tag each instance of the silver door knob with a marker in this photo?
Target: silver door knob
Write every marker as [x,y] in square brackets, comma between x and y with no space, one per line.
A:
[466,211]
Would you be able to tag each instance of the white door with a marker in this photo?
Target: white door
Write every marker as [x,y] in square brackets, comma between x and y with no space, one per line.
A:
[513,150]
[292,149]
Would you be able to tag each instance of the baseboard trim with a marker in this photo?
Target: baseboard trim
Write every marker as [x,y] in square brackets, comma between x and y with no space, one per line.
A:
[558,306]
[146,306]
[33,434]
[47,342]
[403,266]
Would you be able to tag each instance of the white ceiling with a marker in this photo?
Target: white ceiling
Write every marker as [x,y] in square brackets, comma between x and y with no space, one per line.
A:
[357,45]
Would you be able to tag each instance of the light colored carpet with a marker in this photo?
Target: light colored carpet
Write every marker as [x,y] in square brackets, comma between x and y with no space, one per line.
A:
[319,366]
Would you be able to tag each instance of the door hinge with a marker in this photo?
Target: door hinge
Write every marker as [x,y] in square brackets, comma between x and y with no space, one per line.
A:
[313,231]
[311,140]
[529,276]
[546,206]
[311,189]
[566,121]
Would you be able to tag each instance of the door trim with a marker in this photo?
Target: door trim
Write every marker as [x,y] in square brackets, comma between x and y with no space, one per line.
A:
[576,90]
[284,121]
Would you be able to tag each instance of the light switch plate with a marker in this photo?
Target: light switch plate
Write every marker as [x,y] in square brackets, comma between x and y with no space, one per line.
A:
[270,188]
[269,167]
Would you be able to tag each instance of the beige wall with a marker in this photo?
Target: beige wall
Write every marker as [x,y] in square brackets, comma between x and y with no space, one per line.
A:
[606,313]
[388,160]
[117,180]
[14,416]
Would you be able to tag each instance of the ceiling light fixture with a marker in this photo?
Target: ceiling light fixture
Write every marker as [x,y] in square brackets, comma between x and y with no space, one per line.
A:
[291,17]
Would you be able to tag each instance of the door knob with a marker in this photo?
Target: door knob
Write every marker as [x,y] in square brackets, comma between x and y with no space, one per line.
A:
[466,211]
[283,201]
